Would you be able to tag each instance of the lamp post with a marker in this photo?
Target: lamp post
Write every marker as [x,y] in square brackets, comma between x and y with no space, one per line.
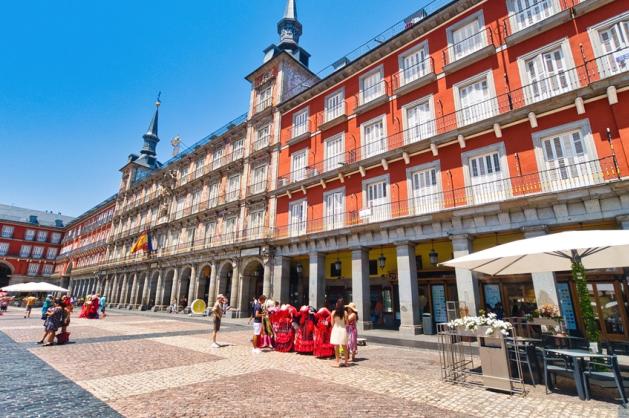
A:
[433,255]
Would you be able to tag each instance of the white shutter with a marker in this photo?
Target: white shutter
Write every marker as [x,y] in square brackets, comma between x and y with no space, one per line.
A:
[372,87]
[419,122]
[334,210]
[334,152]
[426,197]
[467,39]
[486,176]
[334,106]
[374,138]
[299,165]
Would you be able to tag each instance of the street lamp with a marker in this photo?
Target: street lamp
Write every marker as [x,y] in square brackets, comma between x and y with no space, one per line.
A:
[337,265]
[382,260]
[433,256]
[299,268]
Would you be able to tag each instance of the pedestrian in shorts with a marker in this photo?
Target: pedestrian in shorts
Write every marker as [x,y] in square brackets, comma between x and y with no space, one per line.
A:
[219,309]
[258,314]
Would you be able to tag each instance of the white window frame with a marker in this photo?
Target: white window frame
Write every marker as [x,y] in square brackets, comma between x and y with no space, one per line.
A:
[42,236]
[458,25]
[302,128]
[47,269]
[217,156]
[583,126]
[257,145]
[55,238]
[381,213]
[338,220]
[427,68]
[37,252]
[489,76]
[433,165]
[301,228]
[29,235]
[229,235]
[33,269]
[383,119]
[512,14]
[238,147]
[257,185]
[213,197]
[332,113]
[379,69]
[51,253]
[231,189]
[301,175]
[498,147]
[568,62]
[430,126]
[210,232]
[595,40]
[4,248]
[257,233]
[334,162]
[23,253]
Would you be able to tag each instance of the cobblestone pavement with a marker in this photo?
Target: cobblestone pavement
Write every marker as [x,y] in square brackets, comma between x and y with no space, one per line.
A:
[155,365]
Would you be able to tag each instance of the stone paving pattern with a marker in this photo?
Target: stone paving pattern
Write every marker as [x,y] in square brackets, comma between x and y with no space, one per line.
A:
[140,365]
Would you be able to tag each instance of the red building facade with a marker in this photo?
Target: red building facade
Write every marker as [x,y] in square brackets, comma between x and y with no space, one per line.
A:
[481,123]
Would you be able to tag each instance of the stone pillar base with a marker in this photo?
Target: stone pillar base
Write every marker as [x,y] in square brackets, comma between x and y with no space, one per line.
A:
[157,308]
[364,325]
[411,329]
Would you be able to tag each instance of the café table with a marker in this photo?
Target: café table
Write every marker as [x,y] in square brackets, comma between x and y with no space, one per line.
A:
[577,356]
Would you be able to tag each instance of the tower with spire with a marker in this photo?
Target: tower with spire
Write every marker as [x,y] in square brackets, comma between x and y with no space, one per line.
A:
[289,29]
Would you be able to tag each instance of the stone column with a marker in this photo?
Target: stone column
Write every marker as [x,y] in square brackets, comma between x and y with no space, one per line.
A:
[316,280]
[125,290]
[267,283]
[281,278]
[360,287]
[466,282]
[192,289]
[135,287]
[233,298]
[175,286]
[159,292]
[212,291]
[543,283]
[111,297]
[146,290]
[410,322]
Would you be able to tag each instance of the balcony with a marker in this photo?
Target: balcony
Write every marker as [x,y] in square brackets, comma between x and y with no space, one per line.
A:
[261,143]
[372,97]
[414,77]
[232,195]
[333,116]
[585,6]
[262,105]
[535,19]
[300,132]
[558,178]
[468,51]
[257,188]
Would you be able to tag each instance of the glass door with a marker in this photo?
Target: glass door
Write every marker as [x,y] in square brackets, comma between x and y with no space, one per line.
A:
[608,302]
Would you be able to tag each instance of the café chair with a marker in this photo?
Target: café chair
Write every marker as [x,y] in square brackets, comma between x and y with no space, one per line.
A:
[605,370]
[554,364]
[522,353]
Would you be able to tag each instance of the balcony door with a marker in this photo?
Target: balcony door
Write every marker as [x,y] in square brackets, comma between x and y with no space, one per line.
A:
[334,209]
[475,101]
[488,183]
[426,197]
[374,138]
[420,122]
[529,12]
[567,162]
[615,47]
[414,65]
[547,75]
[298,218]
[467,39]
[299,165]
[378,201]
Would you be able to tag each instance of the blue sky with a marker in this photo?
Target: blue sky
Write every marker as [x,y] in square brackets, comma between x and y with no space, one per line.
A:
[78,80]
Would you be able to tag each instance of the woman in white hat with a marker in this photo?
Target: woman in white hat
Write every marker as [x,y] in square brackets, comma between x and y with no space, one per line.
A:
[338,337]
[352,332]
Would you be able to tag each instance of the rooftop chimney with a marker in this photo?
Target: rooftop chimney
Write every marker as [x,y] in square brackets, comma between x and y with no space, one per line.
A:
[33,219]
[59,223]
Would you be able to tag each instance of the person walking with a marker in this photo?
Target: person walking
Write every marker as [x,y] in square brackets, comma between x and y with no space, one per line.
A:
[54,319]
[101,304]
[220,308]
[352,332]
[258,314]
[47,304]
[338,336]
[29,301]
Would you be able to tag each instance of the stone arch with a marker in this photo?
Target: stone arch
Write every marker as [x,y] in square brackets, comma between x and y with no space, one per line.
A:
[252,281]
[152,294]
[6,270]
[203,285]
[167,284]
[140,289]
[185,281]
[225,272]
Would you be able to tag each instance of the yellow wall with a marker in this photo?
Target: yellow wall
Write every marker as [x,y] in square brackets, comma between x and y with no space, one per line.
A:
[482,243]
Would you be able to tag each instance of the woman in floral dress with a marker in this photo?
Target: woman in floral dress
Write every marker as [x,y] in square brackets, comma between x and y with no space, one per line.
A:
[352,332]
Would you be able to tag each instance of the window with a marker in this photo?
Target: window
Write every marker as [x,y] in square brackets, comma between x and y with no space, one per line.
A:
[371,86]
[374,141]
[420,123]
[298,217]
[263,136]
[199,166]
[568,156]
[414,65]
[7,231]
[25,251]
[196,199]
[298,165]
[466,37]
[256,224]
[258,181]
[33,268]
[611,45]
[233,188]
[476,100]
[41,236]
[545,73]
[334,152]
[213,195]
[217,154]
[488,178]
[300,123]
[425,191]
[210,230]
[229,229]
[335,105]
[181,200]
[29,234]
[264,98]
[38,252]
[334,209]
[47,269]
[4,248]
[376,200]
[238,147]
[55,238]
[528,12]
[183,175]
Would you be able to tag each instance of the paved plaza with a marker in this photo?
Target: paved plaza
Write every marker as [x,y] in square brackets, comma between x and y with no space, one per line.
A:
[153,365]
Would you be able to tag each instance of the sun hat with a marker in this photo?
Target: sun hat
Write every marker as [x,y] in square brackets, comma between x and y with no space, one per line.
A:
[352,306]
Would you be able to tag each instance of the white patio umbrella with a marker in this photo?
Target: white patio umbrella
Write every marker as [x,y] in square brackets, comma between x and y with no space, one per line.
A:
[553,252]
[34,287]
[572,250]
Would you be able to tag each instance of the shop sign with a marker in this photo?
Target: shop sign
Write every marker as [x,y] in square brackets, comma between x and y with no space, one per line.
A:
[249,252]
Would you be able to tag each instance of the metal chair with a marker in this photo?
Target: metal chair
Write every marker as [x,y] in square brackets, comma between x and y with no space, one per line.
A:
[605,370]
[554,364]
[523,353]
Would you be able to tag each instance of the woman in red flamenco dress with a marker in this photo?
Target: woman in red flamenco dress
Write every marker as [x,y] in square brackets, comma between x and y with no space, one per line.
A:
[304,342]
[323,328]
[85,308]
[93,309]
[281,322]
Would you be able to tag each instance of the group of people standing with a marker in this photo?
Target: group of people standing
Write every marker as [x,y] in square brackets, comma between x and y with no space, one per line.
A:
[283,328]
[93,307]
[56,315]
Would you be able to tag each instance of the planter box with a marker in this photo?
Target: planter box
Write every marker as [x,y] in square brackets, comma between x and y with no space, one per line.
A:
[549,322]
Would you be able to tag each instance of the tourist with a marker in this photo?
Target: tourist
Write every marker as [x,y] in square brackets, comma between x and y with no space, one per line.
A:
[54,319]
[64,336]
[352,332]
[101,303]
[338,336]
[47,304]
[94,307]
[220,308]
[29,301]
[258,314]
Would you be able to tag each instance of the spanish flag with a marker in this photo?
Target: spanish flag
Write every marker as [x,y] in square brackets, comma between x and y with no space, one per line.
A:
[142,243]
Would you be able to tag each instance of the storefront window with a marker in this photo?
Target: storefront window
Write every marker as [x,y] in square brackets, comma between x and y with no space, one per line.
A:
[607,298]
[521,298]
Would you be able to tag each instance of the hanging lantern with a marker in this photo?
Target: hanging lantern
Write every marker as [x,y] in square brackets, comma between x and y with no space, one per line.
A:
[299,268]
[382,260]
[433,256]
[337,266]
